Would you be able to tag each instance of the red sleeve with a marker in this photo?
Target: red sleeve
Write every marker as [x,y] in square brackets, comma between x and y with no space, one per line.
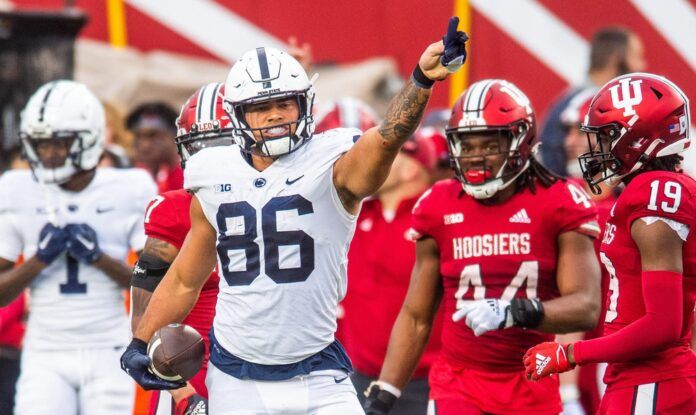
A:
[576,211]
[423,220]
[660,194]
[163,220]
[662,319]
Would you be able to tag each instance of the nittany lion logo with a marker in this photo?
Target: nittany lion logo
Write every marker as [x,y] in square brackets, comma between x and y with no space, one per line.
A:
[627,99]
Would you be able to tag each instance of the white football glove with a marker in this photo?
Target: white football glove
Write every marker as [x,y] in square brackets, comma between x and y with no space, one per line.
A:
[485,315]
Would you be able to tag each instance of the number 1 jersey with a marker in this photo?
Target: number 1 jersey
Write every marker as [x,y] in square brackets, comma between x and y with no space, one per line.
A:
[651,195]
[282,241]
[498,251]
[75,305]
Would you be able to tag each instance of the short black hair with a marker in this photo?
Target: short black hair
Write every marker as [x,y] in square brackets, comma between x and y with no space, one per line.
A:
[157,109]
[608,42]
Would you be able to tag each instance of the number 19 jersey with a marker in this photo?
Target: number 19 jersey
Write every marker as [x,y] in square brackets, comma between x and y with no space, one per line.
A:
[282,241]
[651,195]
[498,251]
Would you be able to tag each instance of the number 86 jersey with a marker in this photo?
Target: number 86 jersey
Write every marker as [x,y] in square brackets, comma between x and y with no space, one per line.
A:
[282,242]
[650,196]
[505,250]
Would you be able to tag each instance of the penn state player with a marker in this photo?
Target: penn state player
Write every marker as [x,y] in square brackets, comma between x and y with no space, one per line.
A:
[506,250]
[279,210]
[637,125]
[201,123]
[74,225]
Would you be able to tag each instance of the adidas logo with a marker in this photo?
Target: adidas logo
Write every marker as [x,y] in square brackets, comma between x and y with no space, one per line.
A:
[541,362]
[520,217]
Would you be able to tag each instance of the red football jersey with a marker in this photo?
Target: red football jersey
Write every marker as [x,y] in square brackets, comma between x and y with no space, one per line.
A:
[167,218]
[657,194]
[498,251]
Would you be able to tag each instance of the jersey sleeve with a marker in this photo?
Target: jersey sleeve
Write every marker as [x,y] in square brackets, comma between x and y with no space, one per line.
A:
[577,212]
[11,242]
[423,217]
[145,189]
[661,196]
[163,221]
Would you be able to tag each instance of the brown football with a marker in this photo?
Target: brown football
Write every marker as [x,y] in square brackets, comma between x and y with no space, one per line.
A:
[176,352]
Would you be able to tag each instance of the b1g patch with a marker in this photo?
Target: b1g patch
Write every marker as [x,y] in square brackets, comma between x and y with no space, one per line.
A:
[222,188]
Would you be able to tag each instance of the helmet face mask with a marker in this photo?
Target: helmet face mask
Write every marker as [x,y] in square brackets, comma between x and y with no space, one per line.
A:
[599,164]
[62,117]
[268,75]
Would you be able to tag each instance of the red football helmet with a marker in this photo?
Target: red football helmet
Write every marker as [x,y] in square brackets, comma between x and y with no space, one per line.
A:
[632,120]
[491,107]
[202,122]
[346,113]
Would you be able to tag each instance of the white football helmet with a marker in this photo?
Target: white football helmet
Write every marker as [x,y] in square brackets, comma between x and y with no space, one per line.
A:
[63,110]
[266,74]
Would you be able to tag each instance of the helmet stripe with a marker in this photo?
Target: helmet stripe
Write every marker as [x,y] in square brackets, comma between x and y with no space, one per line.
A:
[483,94]
[263,63]
[44,102]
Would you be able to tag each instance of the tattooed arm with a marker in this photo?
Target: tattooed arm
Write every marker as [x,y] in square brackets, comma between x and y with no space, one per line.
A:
[363,169]
[156,252]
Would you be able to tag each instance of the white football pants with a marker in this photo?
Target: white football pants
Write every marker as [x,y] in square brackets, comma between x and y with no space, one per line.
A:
[80,381]
[323,392]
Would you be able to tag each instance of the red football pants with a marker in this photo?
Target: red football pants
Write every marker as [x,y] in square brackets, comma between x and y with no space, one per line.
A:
[668,397]
[463,391]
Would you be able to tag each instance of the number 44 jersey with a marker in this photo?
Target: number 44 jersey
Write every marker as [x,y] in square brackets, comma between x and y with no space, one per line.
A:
[282,241]
[649,196]
[498,251]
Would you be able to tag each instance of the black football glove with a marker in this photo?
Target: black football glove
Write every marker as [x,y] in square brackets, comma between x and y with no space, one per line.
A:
[193,405]
[53,241]
[84,245]
[135,362]
[379,401]
[455,52]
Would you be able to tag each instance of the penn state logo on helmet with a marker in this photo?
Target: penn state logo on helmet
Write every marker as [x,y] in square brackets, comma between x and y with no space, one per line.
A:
[632,120]
[498,108]
[63,115]
[262,75]
[202,122]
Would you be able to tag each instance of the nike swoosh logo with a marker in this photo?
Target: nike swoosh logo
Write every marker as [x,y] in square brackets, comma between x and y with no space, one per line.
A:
[104,210]
[288,181]
[44,242]
[88,244]
[339,380]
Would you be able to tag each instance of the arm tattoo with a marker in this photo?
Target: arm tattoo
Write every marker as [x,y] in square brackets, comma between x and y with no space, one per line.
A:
[404,112]
[157,248]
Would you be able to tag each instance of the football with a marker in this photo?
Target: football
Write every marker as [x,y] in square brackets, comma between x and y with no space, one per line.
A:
[176,352]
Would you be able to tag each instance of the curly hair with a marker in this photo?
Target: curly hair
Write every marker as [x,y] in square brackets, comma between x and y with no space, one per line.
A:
[667,163]
[537,171]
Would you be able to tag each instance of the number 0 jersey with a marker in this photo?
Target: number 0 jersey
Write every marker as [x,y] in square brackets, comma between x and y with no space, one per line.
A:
[282,240]
[75,305]
[498,251]
[649,195]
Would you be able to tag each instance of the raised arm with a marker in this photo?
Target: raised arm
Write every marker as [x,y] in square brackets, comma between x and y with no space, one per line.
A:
[363,169]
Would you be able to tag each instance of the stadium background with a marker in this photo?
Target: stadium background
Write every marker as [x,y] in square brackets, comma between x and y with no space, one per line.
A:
[540,45]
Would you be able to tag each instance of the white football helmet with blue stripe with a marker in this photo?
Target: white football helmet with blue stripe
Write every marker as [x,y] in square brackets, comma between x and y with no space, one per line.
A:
[266,74]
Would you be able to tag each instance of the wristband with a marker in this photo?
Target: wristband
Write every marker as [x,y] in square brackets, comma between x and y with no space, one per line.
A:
[420,79]
[526,313]
[386,386]
[138,345]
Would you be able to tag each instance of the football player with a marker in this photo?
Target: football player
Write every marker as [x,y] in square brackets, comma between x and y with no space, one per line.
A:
[506,250]
[74,224]
[202,123]
[636,126]
[279,210]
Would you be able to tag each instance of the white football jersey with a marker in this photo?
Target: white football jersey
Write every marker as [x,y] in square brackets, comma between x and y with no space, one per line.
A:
[283,237]
[74,304]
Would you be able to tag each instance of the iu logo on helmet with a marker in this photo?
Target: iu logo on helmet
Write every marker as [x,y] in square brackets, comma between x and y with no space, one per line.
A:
[627,99]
